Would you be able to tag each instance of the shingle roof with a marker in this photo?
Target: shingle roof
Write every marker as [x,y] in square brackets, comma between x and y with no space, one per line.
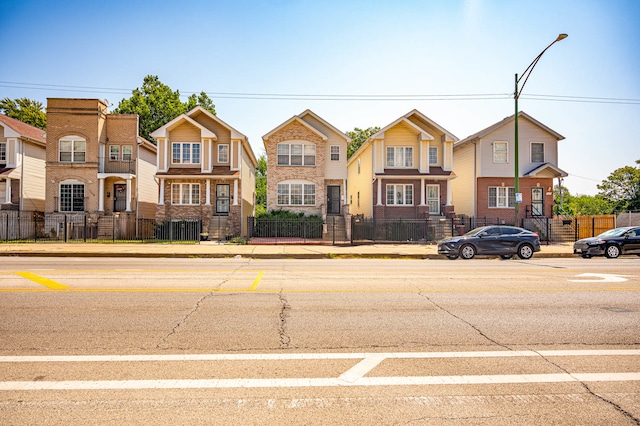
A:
[23,129]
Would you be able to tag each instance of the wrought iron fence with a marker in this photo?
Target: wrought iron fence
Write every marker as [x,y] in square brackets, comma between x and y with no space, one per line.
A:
[274,230]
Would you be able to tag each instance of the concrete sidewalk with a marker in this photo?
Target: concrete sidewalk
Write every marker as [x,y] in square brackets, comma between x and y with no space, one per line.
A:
[262,251]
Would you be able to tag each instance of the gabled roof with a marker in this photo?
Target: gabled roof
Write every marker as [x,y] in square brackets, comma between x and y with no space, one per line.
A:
[162,131]
[424,135]
[298,120]
[16,128]
[449,137]
[326,123]
[554,171]
[504,122]
[234,133]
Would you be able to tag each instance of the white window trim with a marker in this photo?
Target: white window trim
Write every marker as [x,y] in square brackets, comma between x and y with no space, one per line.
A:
[3,152]
[332,153]
[72,183]
[192,144]
[117,154]
[73,140]
[179,187]
[395,193]
[221,151]
[305,186]
[404,150]
[303,145]
[506,144]
[510,202]
[433,148]
[130,152]
[531,152]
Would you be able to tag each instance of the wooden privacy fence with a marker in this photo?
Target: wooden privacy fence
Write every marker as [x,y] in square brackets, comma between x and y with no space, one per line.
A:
[590,226]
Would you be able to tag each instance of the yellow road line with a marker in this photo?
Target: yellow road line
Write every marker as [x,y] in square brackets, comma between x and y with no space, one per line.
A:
[53,285]
[255,283]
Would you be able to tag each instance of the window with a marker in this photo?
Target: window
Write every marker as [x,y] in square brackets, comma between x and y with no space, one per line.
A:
[501,197]
[186,153]
[500,152]
[296,154]
[127,153]
[3,152]
[537,152]
[114,153]
[296,194]
[358,166]
[185,193]
[72,197]
[335,153]
[433,155]
[223,153]
[398,195]
[72,150]
[399,156]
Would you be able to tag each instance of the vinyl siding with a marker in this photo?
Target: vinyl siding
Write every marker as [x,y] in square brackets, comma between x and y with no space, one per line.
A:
[463,187]
[147,186]
[361,183]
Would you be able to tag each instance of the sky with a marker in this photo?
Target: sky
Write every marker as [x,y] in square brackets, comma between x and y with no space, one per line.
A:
[354,63]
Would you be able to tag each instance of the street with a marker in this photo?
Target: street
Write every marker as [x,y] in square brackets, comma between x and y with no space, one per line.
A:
[331,341]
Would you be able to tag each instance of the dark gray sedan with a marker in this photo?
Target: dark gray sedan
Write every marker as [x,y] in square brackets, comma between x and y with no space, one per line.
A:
[504,241]
[611,243]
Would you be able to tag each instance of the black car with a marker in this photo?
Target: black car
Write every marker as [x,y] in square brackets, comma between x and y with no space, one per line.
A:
[504,241]
[611,243]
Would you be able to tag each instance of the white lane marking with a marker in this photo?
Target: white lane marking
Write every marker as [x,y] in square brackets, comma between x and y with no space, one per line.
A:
[318,382]
[605,278]
[315,356]
[363,367]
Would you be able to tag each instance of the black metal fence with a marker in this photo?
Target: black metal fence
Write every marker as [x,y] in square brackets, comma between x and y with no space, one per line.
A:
[16,226]
[269,229]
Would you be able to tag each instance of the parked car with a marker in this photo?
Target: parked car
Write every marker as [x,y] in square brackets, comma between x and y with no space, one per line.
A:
[504,241]
[611,243]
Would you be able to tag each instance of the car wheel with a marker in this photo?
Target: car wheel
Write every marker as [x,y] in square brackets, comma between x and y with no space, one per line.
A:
[586,256]
[467,252]
[452,256]
[612,251]
[525,251]
[506,256]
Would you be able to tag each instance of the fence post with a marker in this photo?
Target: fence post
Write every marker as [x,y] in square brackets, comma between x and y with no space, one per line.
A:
[85,227]
[65,228]
[593,226]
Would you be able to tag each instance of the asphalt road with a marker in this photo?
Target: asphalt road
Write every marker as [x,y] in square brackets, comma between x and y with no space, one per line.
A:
[239,341]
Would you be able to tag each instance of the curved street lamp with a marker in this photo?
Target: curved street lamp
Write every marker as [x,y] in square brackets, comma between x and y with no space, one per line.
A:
[516,95]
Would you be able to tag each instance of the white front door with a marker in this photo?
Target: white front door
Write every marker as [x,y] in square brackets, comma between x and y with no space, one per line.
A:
[433,199]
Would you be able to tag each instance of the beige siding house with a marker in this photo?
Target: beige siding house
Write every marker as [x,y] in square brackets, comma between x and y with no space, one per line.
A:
[206,170]
[403,171]
[485,169]
[96,163]
[22,161]
[307,164]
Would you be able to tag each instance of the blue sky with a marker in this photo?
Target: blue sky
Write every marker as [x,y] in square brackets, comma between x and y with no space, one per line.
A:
[433,49]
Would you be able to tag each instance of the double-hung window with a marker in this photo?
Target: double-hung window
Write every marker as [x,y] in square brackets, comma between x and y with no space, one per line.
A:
[72,149]
[500,152]
[335,153]
[185,153]
[3,152]
[399,157]
[296,194]
[296,154]
[114,152]
[501,197]
[185,193]
[72,197]
[537,152]
[223,153]
[399,195]
[433,155]
[127,153]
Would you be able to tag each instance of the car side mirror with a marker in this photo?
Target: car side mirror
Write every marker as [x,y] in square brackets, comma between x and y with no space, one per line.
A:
[483,234]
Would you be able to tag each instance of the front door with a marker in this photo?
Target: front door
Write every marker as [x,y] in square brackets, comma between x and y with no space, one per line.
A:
[537,202]
[333,199]
[223,191]
[119,197]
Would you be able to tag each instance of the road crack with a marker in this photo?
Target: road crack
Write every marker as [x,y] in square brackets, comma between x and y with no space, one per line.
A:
[285,339]
[480,332]
[164,342]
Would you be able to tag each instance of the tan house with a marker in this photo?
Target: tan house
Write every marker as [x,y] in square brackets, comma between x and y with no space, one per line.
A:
[403,171]
[485,169]
[307,164]
[96,163]
[22,160]
[206,170]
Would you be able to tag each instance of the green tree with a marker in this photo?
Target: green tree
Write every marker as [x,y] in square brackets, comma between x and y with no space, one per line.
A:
[261,186]
[156,104]
[26,110]
[582,205]
[358,137]
[622,188]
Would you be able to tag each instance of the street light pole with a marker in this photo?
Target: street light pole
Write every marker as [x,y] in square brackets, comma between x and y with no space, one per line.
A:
[516,95]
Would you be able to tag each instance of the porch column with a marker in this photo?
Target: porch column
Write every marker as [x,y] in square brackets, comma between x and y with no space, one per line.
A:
[7,192]
[101,194]
[448,192]
[379,203]
[161,200]
[422,192]
[207,197]
[235,192]
[128,195]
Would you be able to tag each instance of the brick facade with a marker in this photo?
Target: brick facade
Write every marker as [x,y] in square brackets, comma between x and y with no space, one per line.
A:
[525,185]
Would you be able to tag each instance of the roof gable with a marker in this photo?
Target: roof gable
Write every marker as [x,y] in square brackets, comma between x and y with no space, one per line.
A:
[448,136]
[18,129]
[162,131]
[326,123]
[200,110]
[298,120]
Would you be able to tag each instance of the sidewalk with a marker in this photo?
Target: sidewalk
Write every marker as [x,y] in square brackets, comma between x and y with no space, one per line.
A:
[214,250]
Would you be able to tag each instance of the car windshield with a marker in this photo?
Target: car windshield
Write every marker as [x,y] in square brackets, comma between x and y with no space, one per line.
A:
[613,232]
[477,230]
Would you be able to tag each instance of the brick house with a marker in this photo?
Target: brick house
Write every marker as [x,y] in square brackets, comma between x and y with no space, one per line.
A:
[307,164]
[22,161]
[485,170]
[96,163]
[403,171]
[206,170]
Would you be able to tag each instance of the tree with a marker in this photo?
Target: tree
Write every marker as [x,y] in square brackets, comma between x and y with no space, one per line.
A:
[156,104]
[622,188]
[261,186]
[358,137]
[26,110]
